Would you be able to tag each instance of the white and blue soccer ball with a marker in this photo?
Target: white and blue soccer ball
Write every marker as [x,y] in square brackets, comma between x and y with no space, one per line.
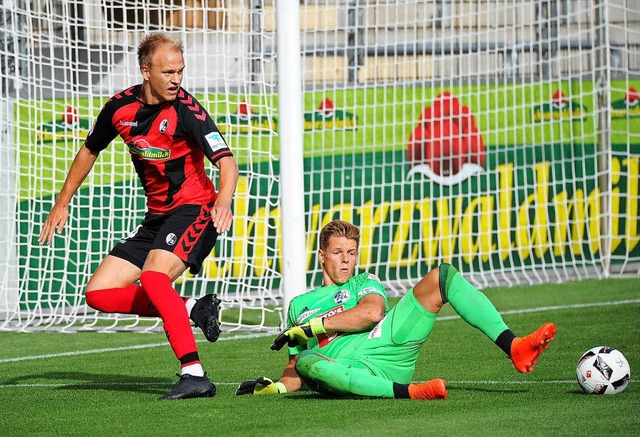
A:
[603,371]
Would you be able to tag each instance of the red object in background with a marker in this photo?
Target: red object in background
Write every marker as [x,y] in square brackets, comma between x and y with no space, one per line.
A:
[244,109]
[70,116]
[326,106]
[446,137]
[559,99]
[632,95]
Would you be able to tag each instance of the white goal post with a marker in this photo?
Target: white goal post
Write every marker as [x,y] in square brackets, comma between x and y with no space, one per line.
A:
[502,137]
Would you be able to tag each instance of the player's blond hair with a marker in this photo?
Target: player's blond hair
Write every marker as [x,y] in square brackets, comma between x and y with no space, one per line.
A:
[338,228]
[150,44]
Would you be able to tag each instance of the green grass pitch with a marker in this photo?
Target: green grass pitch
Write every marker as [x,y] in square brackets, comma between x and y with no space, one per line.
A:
[107,384]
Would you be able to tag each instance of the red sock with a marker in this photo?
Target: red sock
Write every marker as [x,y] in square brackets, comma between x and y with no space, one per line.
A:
[127,300]
[171,308]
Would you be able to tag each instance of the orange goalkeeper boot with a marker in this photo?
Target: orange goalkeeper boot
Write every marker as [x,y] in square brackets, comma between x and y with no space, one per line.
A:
[434,389]
[526,350]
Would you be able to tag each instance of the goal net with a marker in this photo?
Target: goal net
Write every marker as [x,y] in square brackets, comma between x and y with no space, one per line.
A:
[502,137]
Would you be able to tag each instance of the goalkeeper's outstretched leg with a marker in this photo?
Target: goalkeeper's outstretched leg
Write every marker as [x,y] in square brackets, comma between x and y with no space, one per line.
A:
[446,284]
[330,376]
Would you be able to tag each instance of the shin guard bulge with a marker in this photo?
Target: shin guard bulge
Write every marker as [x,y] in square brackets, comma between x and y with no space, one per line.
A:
[471,304]
[172,310]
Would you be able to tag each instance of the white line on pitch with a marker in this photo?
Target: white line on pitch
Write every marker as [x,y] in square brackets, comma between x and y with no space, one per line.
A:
[123,348]
[103,384]
[260,335]
[136,384]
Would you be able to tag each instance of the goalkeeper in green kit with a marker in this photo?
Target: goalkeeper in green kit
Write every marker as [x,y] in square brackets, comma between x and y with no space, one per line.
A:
[344,340]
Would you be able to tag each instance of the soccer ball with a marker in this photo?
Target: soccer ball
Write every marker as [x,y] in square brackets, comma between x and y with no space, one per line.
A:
[603,371]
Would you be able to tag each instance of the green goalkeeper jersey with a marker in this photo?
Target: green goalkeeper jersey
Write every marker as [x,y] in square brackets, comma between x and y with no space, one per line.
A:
[327,301]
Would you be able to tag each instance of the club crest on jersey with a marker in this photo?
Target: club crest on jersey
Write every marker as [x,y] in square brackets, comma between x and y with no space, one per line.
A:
[143,149]
[171,239]
[163,126]
[341,296]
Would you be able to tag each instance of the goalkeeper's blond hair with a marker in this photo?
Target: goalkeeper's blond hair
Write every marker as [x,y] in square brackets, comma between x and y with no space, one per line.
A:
[338,228]
[150,44]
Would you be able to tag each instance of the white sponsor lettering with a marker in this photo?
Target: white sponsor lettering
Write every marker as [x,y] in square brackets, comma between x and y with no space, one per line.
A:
[131,235]
[368,290]
[306,315]
[376,332]
[333,312]
[128,123]
[374,277]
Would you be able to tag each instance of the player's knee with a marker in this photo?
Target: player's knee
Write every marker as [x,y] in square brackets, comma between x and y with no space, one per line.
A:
[94,299]
[306,359]
[445,273]
[427,291]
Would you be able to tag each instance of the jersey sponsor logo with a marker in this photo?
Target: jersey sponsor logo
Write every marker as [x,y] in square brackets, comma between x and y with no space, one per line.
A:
[215,141]
[333,312]
[171,239]
[163,126]
[367,291]
[306,315]
[376,332]
[128,123]
[143,149]
[341,296]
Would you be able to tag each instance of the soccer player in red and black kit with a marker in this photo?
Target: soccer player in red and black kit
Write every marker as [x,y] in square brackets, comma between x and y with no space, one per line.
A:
[168,134]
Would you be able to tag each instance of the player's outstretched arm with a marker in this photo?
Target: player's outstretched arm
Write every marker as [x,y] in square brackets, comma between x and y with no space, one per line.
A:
[228,179]
[369,311]
[80,168]
[290,381]
[299,335]
[260,386]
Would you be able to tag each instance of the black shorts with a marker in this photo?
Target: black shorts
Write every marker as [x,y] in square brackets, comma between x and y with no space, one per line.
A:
[187,231]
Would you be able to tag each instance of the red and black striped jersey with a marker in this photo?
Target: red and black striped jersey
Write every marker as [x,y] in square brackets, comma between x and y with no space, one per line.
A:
[167,144]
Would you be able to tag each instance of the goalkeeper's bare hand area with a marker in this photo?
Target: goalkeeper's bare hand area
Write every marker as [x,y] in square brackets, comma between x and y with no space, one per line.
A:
[299,335]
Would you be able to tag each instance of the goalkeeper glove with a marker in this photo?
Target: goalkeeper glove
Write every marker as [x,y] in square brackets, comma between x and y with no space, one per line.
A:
[261,386]
[299,335]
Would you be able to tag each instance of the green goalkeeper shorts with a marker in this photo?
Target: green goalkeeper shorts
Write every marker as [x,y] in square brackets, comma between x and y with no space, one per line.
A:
[392,347]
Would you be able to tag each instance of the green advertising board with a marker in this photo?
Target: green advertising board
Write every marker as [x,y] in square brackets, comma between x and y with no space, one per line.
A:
[534,203]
